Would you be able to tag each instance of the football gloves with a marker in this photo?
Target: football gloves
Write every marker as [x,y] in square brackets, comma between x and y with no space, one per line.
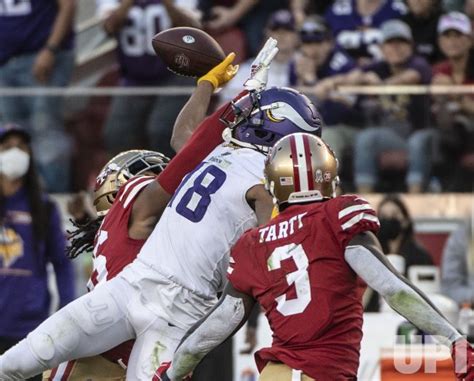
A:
[259,70]
[222,73]
[463,358]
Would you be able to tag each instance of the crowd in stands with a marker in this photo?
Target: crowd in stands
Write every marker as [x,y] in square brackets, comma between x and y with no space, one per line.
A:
[398,141]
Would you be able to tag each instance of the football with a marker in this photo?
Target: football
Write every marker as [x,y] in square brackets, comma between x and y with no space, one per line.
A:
[188,51]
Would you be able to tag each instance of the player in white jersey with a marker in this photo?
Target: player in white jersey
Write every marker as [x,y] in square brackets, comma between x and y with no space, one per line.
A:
[154,300]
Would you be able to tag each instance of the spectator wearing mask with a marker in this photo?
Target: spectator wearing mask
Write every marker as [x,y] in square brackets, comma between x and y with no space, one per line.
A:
[457,266]
[400,121]
[396,236]
[356,25]
[396,232]
[422,17]
[321,64]
[455,113]
[36,49]
[143,121]
[30,237]
[280,26]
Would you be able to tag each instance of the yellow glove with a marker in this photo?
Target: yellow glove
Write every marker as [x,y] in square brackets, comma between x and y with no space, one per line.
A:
[222,73]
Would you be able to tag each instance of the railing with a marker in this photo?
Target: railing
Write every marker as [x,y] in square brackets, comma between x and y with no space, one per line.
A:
[164,90]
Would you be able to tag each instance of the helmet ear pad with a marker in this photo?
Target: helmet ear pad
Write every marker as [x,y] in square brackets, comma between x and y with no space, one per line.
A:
[256,134]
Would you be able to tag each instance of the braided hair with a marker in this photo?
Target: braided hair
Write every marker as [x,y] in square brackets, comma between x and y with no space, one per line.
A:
[82,236]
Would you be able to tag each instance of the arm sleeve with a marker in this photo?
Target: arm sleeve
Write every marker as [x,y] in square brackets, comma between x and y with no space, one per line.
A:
[454,274]
[63,268]
[208,334]
[206,137]
[399,294]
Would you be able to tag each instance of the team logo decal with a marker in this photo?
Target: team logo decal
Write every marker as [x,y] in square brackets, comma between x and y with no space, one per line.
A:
[11,247]
[319,176]
[189,39]
[327,177]
[106,172]
[181,60]
[272,117]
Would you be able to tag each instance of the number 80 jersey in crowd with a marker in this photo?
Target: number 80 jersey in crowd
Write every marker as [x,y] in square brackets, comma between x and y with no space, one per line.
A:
[295,267]
[207,214]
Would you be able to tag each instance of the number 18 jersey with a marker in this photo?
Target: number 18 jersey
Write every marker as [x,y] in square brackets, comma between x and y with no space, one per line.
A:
[295,267]
[207,214]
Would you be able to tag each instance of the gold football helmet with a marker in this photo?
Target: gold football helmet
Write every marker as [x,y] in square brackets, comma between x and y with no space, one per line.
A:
[119,170]
[300,168]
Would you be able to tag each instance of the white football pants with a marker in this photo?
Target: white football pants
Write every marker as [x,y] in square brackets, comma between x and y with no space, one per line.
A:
[112,313]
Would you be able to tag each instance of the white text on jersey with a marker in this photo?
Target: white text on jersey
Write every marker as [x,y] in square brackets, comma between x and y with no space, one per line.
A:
[282,229]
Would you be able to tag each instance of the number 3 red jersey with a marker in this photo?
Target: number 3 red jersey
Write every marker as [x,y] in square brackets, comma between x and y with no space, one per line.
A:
[295,267]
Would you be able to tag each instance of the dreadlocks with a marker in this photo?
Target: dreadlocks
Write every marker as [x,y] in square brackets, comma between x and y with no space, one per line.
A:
[82,237]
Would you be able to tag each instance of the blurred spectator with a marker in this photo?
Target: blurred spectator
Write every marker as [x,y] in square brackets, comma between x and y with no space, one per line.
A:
[423,19]
[399,119]
[397,236]
[31,237]
[453,5]
[36,49]
[301,8]
[143,121]
[319,64]
[396,232]
[280,26]
[355,25]
[249,15]
[469,11]
[457,267]
[455,113]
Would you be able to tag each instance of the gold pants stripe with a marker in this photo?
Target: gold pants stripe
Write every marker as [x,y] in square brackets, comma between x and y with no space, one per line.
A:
[94,368]
[280,372]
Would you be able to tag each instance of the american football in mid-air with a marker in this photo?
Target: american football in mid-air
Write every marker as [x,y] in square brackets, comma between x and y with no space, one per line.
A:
[188,51]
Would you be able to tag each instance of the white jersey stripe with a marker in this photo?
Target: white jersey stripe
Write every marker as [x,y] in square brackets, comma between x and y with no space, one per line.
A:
[353,208]
[135,190]
[128,185]
[230,270]
[359,217]
[302,168]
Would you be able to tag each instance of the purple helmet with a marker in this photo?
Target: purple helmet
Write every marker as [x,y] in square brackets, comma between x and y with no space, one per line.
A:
[259,120]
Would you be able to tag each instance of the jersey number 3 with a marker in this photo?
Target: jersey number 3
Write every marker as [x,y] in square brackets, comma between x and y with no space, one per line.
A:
[300,278]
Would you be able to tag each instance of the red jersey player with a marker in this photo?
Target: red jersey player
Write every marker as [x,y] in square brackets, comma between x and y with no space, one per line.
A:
[302,267]
[128,209]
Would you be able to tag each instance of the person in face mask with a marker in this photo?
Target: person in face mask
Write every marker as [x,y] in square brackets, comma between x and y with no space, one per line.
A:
[396,236]
[31,236]
[396,233]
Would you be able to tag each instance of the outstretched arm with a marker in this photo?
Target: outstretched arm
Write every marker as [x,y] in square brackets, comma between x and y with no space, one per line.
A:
[365,257]
[194,111]
[226,318]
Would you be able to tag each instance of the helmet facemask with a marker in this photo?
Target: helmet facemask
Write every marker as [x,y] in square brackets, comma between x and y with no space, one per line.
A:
[122,168]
